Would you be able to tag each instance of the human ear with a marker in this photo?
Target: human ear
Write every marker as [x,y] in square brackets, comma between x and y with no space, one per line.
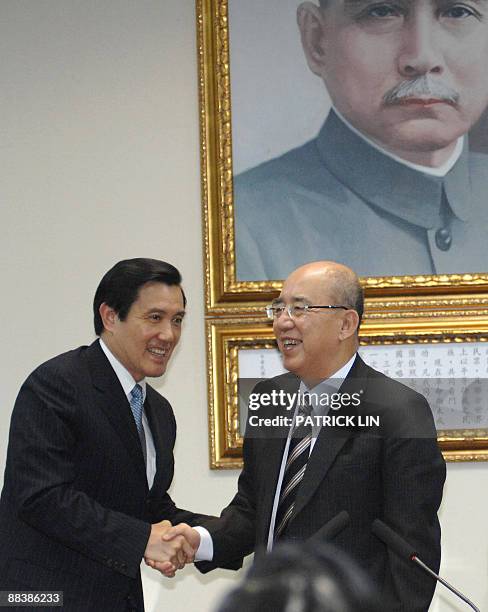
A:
[108,315]
[350,323]
[311,21]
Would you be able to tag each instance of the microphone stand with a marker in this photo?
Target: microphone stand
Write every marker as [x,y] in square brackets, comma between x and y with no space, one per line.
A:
[444,582]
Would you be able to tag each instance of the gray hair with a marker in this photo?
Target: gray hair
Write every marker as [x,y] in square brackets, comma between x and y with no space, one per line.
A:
[347,290]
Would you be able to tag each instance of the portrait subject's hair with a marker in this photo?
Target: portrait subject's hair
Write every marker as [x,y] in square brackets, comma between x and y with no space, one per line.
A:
[309,577]
[120,286]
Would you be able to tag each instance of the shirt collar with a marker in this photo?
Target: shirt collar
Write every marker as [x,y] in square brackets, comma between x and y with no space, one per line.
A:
[388,185]
[441,170]
[329,384]
[125,377]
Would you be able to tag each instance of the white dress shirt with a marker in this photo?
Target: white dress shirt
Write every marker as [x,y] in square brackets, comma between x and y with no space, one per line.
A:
[127,381]
[205,551]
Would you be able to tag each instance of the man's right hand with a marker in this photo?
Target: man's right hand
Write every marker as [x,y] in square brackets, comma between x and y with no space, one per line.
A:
[170,555]
[182,532]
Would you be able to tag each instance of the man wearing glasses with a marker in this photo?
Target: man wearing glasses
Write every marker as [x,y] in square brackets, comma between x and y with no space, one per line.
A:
[297,478]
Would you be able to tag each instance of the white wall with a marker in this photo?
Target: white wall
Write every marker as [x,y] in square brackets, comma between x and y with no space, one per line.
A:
[99,159]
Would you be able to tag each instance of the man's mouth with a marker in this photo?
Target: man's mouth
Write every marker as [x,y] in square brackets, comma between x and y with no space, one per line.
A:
[290,343]
[158,352]
[422,102]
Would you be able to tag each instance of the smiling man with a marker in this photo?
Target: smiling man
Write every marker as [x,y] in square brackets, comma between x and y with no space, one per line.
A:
[390,172]
[295,480]
[90,454]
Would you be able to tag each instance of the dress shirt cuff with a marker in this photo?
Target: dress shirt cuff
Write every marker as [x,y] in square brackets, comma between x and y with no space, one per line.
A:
[205,550]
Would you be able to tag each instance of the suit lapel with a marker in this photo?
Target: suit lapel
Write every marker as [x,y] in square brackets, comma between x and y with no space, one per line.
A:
[269,472]
[326,449]
[273,453]
[163,442]
[111,400]
[330,441]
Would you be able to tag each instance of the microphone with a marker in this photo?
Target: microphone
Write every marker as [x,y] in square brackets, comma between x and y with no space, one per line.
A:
[406,551]
[331,528]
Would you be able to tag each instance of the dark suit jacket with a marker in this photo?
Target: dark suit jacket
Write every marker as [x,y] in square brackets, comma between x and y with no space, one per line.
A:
[75,510]
[383,474]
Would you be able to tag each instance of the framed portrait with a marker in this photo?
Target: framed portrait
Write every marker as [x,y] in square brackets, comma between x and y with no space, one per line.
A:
[291,174]
[450,369]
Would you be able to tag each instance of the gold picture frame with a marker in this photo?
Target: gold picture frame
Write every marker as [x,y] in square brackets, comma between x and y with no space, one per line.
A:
[226,337]
[435,309]
[225,294]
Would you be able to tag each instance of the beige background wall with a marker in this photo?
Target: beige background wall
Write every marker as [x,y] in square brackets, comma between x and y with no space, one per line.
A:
[99,159]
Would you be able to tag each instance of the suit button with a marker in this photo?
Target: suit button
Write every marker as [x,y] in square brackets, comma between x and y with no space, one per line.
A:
[110,562]
[443,238]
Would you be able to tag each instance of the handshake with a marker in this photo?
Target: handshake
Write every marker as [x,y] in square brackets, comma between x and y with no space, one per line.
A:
[170,548]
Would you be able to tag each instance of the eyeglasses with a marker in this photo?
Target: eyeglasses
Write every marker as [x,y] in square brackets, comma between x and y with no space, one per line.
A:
[295,311]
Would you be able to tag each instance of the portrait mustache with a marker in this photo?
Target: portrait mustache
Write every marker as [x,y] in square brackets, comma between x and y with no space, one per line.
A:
[422,87]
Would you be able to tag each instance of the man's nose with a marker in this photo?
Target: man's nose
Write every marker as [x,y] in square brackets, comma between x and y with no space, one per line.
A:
[420,45]
[283,322]
[167,332]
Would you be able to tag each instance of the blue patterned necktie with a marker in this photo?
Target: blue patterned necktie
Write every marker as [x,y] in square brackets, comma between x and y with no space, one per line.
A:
[137,406]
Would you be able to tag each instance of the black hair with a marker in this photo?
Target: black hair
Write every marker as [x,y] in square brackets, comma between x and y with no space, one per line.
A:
[119,288]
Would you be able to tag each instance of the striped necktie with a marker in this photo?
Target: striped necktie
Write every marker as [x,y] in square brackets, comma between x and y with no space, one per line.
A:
[296,463]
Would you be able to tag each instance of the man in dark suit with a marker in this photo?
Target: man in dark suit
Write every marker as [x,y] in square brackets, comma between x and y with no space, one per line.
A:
[90,454]
[393,470]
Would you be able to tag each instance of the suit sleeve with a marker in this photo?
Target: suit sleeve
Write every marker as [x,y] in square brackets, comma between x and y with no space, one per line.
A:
[168,510]
[43,443]
[160,504]
[413,479]
[234,533]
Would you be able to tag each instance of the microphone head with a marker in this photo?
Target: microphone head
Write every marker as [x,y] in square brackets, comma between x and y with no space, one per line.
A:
[332,528]
[393,540]
[337,524]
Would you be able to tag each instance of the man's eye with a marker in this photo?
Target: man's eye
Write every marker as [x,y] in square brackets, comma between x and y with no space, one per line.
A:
[460,11]
[155,317]
[178,321]
[278,309]
[299,310]
[382,11]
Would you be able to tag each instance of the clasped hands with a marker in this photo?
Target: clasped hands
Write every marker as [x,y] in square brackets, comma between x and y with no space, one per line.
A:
[170,548]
